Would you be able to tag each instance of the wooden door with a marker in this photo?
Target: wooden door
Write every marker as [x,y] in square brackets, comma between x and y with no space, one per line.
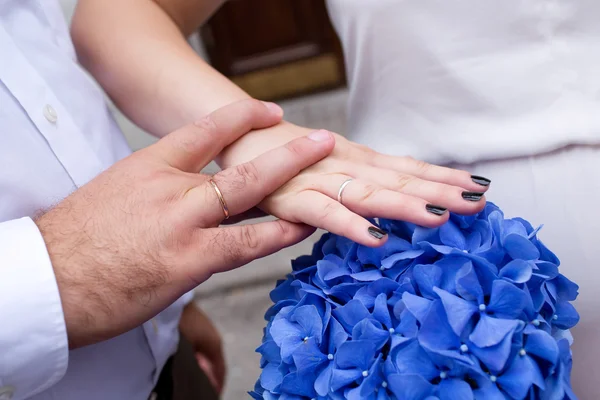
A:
[275,49]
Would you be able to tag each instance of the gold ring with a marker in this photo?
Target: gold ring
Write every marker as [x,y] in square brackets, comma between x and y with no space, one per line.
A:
[341,191]
[221,198]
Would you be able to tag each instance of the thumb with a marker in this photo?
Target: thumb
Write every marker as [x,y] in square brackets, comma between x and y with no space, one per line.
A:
[226,248]
[193,146]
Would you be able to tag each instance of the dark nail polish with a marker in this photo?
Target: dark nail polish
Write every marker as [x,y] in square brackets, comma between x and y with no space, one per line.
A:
[480,180]
[376,232]
[472,196]
[437,210]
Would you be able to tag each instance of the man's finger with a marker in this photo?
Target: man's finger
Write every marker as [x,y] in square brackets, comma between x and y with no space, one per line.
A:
[246,185]
[226,248]
[193,146]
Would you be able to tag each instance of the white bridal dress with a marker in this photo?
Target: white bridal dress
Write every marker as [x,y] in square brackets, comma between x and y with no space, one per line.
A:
[509,90]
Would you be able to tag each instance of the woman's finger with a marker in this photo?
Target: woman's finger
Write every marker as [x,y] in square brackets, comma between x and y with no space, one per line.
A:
[318,210]
[246,185]
[193,146]
[226,248]
[454,198]
[373,200]
[430,172]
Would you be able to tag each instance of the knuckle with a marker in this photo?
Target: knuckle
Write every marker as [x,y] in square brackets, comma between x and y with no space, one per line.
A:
[248,172]
[369,192]
[282,229]
[249,237]
[295,149]
[402,181]
[330,211]
[421,166]
[207,126]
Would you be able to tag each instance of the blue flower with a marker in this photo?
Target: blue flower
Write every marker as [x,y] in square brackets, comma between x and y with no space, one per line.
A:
[474,309]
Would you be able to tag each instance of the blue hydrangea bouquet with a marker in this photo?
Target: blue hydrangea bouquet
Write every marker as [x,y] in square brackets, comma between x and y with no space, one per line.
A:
[475,309]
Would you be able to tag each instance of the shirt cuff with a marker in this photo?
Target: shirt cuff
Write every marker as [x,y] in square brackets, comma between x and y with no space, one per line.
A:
[33,339]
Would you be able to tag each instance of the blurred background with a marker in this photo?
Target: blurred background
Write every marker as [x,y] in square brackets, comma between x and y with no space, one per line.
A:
[280,50]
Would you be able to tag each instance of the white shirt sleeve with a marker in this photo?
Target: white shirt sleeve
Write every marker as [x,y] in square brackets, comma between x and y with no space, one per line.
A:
[34,348]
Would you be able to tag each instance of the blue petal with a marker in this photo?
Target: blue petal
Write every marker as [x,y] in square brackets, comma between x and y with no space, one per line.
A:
[355,354]
[520,247]
[412,359]
[368,293]
[351,314]
[517,271]
[494,357]
[343,377]
[453,389]
[467,284]
[491,331]
[489,392]
[451,236]
[366,390]
[283,291]
[409,387]
[287,337]
[337,335]
[435,331]
[366,330]
[506,300]
[391,261]
[308,355]
[408,325]
[368,275]
[300,383]
[542,345]
[418,306]
[567,316]
[271,377]
[323,381]
[344,291]
[422,234]
[309,319]
[270,351]
[459,311]
[566,289]
[517,380]
[427,276]
[328,270]
[381,311]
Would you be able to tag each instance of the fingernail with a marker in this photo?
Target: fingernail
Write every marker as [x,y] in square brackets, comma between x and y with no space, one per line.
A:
[377,233]
[480,180]
[472,196]
[319,136]
[437,210]
[274,108]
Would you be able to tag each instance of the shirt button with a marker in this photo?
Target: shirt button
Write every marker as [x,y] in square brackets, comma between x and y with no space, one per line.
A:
[6,392]
[50,113]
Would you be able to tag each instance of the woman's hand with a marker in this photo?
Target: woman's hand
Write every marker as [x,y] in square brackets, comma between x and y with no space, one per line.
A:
[382,186]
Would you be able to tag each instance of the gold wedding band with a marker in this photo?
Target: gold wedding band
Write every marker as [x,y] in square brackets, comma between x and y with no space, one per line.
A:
[341,191]
[221,198]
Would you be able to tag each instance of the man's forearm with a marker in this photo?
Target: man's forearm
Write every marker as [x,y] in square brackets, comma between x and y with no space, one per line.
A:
[138,53]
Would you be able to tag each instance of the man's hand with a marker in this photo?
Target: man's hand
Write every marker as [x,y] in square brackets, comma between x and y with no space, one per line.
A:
[138,236]
[199,330]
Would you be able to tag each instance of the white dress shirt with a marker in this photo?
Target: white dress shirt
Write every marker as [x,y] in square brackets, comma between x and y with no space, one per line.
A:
[56,134]
[470,80]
